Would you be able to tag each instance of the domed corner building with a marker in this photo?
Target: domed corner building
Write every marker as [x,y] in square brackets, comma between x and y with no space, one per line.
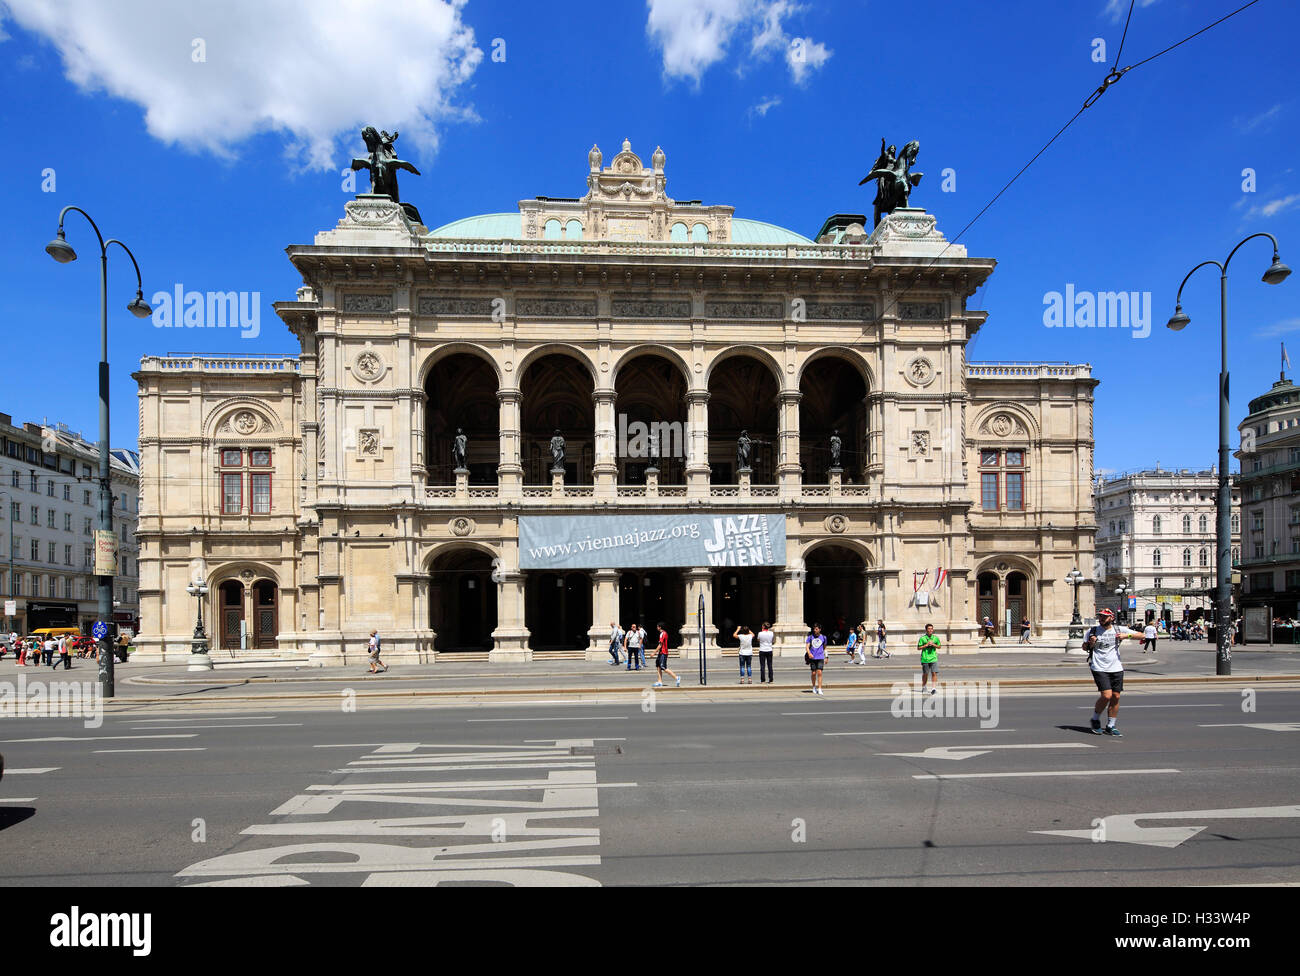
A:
[502,434]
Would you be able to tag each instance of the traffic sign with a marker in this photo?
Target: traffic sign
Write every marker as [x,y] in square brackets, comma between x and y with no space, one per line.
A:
[99,630]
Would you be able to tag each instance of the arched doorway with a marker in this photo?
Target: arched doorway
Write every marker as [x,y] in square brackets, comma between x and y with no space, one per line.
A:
[556,395]
[986,597]
[461,394]
[230,610]
[835,590]
[742,595]
[650,399]
[833,404]
[462,601]
[743,397]
[1018,607]
[557,611]
[266,613]
[651,597]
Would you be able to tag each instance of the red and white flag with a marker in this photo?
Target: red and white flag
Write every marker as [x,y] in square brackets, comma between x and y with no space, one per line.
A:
[940,577]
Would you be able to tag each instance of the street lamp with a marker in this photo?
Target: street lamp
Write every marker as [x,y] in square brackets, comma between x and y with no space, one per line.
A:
[1276,273]
[1075,640]
[1119,592]
[62,251]
[199,657]
[11,594]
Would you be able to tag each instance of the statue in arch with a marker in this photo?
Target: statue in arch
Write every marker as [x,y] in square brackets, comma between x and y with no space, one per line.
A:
[557,451]
[460,448]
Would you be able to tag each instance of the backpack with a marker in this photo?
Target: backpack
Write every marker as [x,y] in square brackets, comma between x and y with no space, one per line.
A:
[1092,632]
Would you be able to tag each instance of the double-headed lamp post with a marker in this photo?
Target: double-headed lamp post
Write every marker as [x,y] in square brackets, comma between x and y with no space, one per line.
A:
[62,251]
[1119,592]
[1074,578]
[1276,274]
[199,657]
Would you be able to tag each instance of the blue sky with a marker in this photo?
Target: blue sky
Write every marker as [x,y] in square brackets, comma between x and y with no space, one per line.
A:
[209,168]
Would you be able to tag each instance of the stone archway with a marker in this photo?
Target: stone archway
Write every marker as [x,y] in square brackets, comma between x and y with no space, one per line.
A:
[556,395]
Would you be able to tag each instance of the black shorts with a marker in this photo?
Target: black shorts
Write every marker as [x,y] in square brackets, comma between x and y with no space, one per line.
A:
[1109,680]
[817,663]
[661,661]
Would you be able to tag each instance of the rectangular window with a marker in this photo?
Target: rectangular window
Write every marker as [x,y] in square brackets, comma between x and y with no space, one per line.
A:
[231,458]
[19,580]
[85,557]
[1015,459]
[989,492]
[232,494]
[67,493]
[261,497]
[49,488]
[14,479]
[52,549]
[36,515]
[15,511]
[49,518]
[67,555]
[259,459]
[1157,582]
[85,528]
[85,498]
[989,459]
[1015,492]
[67,521]
[36,550]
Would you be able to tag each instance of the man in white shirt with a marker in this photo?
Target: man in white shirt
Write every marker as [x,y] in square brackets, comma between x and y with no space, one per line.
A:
[1102,645]
[635,638]
[1149,637]
[765,639]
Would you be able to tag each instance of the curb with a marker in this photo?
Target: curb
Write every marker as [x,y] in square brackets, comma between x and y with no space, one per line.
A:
[695,689]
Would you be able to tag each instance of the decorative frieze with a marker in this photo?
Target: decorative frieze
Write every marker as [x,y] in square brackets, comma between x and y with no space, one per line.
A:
[920,311]
[639,308]
[842,311]
[742,310]
[447,305]
[568,308]
[367,303]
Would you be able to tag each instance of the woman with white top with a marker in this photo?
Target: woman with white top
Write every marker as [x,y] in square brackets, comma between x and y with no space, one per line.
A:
[746,638]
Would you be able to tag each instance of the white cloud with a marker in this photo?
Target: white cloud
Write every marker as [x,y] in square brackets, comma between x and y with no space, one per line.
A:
[1274,207]
[1117,10]
[310,69]
[1262,119]
[1284,327]
[694,35]
[765,106]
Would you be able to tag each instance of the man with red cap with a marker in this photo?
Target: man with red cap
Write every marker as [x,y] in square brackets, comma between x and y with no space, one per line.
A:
[1102,645]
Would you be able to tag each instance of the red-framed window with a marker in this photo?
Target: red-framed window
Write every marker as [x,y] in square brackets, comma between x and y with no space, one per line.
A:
[245,481]
[1002,480]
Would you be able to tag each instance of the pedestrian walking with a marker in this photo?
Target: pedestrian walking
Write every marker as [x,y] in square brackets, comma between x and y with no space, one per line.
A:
[49,651]
[633,644]
[1102,645]
[746,655]
[373,648]
[765,639]
[64,657]
[1149,637]
[851,643]
[661,658]
[988,630]
[1025,631]
[880,639]
[815,656]
[616,635]
[928,644]
[861,643]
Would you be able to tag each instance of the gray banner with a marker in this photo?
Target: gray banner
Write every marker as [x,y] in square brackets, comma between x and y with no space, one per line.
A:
[635,541]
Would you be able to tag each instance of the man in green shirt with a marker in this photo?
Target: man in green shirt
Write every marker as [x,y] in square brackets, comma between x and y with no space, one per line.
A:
[928,645]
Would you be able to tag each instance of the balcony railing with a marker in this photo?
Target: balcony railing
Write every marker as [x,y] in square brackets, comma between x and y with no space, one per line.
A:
[1030,371]
[234,364]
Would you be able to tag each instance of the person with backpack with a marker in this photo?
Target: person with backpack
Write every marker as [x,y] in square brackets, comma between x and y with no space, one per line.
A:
[989,630]
[880,639]
[373,648]
[1102,644]
[746,654]
[616,636]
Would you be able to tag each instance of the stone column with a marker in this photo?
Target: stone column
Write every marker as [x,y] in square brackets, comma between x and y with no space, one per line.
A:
[789,473]
[605,467]
[697,461]
[789,625]
[510,639]
[1002,605]
[510,472]
[697,581]
[604,608]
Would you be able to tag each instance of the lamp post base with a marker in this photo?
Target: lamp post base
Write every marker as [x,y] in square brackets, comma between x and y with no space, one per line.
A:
[199,658]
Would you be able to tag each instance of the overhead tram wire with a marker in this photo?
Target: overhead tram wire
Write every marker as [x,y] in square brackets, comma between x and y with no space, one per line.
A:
[1114,75]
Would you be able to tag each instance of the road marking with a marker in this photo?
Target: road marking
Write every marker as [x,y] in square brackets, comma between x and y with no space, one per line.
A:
[203,718]
[559,718]
[190,749]
[1049,772]
[99,738]
[923,732]
[17,799]
[253,725]
[1123,828]
[32,771]
[874,711]
[1264,726]
[968,752]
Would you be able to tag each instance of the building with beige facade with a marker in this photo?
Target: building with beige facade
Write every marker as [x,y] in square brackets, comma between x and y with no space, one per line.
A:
[1270,501]
[665,402]
[1155,538]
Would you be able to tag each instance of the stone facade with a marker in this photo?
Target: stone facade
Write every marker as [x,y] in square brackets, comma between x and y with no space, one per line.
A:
[1270,501]
[359,521]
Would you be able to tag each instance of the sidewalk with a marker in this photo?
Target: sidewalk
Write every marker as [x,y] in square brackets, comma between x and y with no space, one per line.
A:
[449,677]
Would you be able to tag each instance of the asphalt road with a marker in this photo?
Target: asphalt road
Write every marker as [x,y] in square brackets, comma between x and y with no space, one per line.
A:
[630,790]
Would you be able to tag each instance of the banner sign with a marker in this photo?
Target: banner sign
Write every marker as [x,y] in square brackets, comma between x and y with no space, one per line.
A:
[637,541]
[105,553]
